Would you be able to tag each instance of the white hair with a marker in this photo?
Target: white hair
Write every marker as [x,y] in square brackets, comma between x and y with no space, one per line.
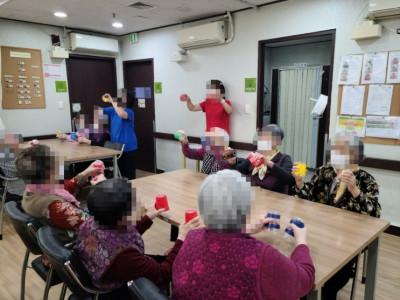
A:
[225,201]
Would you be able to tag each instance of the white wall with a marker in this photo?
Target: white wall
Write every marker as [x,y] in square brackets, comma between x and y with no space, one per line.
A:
[40,121]
[233,62]
[44,121]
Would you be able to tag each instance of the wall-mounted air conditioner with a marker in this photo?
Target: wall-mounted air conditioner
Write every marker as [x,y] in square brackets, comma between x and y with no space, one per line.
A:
[93,44]
[201,36]
[384,9]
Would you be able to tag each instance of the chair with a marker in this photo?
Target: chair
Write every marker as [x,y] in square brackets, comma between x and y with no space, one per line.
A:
[184,163]
[114,146]
[68,265]
[26,227]
[3,201]
[144,289]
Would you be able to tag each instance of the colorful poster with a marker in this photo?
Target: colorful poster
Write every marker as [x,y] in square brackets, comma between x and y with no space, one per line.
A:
[350,69]
[383,127]
[374,68]
[352,100]
[355,125]
[393,70]
[52,70]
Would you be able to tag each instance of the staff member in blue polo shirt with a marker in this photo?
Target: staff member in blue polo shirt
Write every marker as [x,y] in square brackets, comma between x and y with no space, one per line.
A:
[123,130]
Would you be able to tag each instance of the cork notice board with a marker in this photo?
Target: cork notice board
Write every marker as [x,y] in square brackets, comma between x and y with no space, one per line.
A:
[22,78]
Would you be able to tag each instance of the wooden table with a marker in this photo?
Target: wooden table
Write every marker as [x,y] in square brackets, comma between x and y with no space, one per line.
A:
[74,152]
[334,236]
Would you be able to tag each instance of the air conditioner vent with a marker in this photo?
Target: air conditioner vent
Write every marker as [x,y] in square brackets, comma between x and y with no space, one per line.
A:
[142,6]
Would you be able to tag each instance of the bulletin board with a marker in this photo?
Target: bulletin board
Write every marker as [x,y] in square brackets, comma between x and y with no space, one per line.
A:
[394,111]
[22,78]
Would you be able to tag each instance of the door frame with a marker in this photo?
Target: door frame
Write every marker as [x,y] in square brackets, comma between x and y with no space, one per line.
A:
[124,67]
[323,130]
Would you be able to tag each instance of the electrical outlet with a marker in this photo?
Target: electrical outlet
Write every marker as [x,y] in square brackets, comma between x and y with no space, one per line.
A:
[247,108]
[60,105]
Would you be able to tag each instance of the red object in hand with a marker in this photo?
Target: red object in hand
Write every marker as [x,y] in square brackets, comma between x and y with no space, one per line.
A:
[183,97]
[255,161]
[190,214]
[162,202]
[100,165]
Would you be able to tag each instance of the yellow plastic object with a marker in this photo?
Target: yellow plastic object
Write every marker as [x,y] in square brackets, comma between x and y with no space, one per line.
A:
[104,98]
[302,170]
[58,133]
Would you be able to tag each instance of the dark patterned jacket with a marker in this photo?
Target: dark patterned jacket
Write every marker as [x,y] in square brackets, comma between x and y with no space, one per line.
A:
[319,187]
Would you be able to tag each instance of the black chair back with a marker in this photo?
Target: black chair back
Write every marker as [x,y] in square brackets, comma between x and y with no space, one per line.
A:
[113,145]
[66,263]
[25,225]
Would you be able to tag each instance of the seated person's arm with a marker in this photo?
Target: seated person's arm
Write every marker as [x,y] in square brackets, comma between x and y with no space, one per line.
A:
[303,189]
[242,165]
[364,190]
[65,215]
[283,172]
[131,265]
[188,152]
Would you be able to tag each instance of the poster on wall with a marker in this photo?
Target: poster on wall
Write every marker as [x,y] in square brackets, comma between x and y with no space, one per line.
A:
[383,127]
[350,69]
[379,99]
[393,70]
[352,100]
[374,68]
[356,125]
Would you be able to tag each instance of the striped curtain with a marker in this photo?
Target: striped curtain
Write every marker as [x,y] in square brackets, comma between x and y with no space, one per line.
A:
[296,86]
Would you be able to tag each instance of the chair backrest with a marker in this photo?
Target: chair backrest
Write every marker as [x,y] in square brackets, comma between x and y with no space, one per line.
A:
[144,289]
[25,225]
[66,263]
[114,146]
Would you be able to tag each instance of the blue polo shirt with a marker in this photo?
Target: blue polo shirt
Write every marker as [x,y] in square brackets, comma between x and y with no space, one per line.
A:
[122,130]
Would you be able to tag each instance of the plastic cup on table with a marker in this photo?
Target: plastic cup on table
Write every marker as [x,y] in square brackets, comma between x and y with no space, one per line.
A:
[73,136]
[190,214]
[162,202]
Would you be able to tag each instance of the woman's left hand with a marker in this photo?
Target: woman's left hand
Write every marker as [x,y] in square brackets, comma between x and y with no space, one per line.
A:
[258,227]
[348,178]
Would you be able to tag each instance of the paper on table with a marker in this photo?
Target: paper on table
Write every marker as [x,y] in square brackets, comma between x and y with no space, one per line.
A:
[374,68]
[379,99]
[352,100]
[393,70]
[356,125]
[383,127]
[350,69]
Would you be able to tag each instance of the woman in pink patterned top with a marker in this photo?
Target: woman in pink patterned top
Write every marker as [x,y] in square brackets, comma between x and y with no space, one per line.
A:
[222,261]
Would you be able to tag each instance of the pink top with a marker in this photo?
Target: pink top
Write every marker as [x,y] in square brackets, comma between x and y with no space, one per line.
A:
[234,266]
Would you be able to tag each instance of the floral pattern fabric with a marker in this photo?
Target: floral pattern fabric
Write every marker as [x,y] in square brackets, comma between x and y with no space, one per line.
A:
[98,248]
[319,187]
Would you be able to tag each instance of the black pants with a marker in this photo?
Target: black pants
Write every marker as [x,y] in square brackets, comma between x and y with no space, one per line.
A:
[127,164]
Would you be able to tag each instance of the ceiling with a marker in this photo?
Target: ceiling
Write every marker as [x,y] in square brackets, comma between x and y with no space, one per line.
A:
[97,15]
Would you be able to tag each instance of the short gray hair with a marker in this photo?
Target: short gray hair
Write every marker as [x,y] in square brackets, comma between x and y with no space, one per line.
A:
[225,201]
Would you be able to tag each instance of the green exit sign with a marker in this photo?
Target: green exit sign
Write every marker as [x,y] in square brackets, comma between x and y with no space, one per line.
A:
[134,38]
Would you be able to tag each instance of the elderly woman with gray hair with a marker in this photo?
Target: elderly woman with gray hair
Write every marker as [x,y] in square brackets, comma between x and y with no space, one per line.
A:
[221,261]
[273,172]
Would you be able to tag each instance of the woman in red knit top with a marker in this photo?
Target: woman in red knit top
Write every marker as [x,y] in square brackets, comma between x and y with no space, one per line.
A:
[222,261]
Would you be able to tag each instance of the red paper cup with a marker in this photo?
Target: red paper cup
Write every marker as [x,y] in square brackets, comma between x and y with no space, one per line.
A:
[162,202]
[183,97]
[190,214]
[255,162]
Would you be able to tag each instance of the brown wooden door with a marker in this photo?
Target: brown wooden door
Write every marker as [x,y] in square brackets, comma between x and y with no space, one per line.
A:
[90,77]
[139,79]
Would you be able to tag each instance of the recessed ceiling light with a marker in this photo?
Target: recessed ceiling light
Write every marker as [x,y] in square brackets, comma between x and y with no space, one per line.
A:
[60,14]
[117,24]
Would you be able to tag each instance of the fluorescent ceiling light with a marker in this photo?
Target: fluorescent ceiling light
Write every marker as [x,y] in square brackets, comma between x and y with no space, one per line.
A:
[60,14]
